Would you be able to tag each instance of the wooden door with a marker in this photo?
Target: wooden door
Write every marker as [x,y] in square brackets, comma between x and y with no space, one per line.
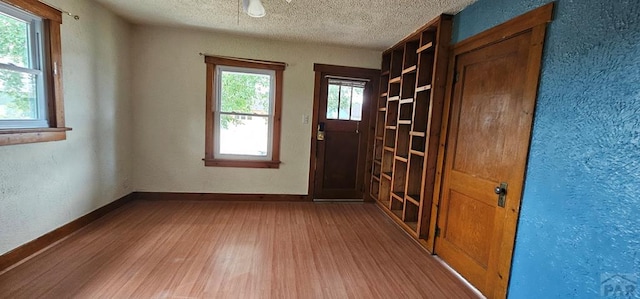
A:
[341,138]
[493,102]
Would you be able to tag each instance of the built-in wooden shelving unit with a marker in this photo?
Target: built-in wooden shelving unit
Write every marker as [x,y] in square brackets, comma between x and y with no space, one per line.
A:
[408,124]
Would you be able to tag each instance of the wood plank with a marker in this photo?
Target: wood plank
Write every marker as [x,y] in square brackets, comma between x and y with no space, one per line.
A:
[410,69]
[423,88]
[406,101]
[236,250]
[425,47]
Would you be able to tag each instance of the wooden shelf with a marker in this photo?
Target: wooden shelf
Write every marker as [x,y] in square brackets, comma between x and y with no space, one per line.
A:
[392,99]
[390,127]
[404,122]
[389,149]
[386,175]
[395,80]
[377,161]
[406,101]
[423,88]
[384,73]
[417,153]
[402,159]
[399,196]
[410,69]
[384,94]
[383,109]
[375,178]
[397,213]
[415,133]
[425,47]
[379,137]
[415,199]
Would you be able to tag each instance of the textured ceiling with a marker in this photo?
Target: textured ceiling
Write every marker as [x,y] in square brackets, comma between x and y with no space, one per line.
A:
[375,24]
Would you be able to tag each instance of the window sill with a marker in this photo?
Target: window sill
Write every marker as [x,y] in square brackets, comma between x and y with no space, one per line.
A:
[22,136]
[241,163]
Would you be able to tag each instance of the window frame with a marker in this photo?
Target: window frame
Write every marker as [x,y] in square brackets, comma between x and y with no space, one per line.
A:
[51,67]
[342,82]
[212,159]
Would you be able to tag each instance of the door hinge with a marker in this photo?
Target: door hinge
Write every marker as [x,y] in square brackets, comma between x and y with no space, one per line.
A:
[437,232]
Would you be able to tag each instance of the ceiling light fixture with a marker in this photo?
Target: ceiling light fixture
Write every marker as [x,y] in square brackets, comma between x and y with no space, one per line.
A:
[254,8]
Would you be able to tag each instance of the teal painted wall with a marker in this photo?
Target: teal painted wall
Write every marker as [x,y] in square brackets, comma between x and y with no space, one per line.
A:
[580,216]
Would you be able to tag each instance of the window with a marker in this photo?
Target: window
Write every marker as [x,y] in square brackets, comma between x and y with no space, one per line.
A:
[244,99]
[344,99]
[31,107]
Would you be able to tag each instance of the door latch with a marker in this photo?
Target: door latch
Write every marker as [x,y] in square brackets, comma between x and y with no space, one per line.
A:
[320,132]
[502,194]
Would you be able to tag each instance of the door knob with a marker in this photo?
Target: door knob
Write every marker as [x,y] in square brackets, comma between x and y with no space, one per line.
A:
[502,194]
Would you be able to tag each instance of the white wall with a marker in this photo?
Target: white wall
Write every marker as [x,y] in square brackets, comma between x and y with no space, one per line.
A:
[169,109]
[46,185]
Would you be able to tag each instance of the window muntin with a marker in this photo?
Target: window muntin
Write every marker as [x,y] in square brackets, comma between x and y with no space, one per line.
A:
[345,99]
[23,100]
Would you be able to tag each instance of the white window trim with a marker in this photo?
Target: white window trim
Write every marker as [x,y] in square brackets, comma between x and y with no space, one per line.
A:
[37,63]
[218,107]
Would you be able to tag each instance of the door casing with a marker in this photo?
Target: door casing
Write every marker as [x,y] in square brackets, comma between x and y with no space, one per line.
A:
[373,75]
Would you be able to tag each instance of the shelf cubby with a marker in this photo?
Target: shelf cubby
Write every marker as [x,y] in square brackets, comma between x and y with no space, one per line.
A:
[408,85]
[411,215]
[380,123]
[396,67]
[414,177]
[392,113]
[425,74]
[399,177]
[377,167]
[406,110]
[375,187]
[377,150]
[410,53]
[417,142]
[402,141]
[387,160]
[397,205]
[420,116]
[384,191]
[427,37]
[386,63]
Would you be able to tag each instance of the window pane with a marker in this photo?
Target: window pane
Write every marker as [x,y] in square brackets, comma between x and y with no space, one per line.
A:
[345,102]
[245,93]
[333,101]
[14,41]
[244,136]
[356,103]
[17,95]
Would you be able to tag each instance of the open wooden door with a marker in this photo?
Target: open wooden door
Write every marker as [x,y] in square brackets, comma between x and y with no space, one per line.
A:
[341,120]
[493,100]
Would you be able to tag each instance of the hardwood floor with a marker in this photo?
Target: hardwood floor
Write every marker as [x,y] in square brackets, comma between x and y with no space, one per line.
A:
[196,249]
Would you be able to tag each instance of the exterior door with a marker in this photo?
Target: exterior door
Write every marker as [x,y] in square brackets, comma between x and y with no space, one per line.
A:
[341,138]
[492,107]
